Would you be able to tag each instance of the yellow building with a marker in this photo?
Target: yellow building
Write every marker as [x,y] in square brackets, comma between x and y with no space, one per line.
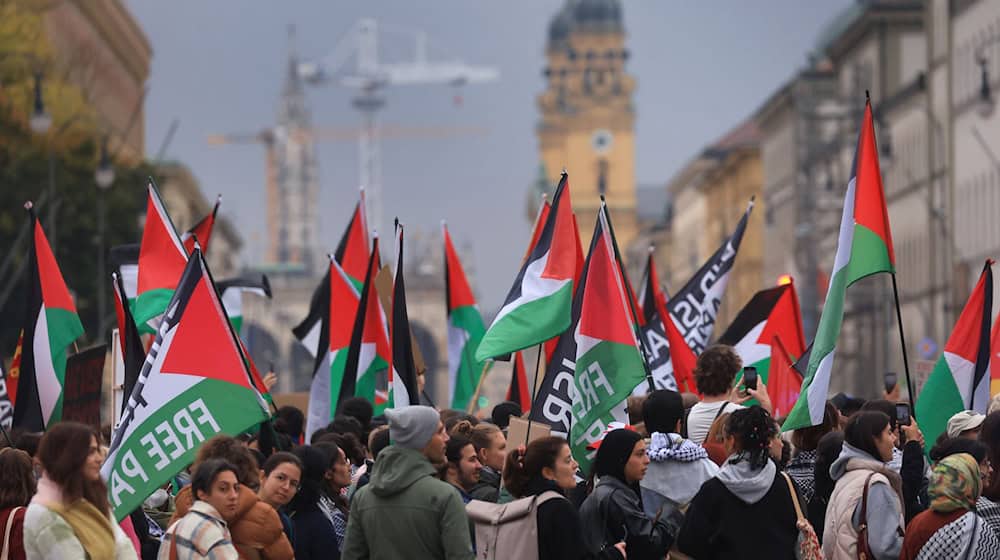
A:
[588,119]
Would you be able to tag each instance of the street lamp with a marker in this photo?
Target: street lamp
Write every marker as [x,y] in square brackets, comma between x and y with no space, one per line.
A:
[104,176]
[40,119]
[985,104]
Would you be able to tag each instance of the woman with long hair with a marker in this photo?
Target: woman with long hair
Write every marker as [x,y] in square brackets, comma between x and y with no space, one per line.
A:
[17,486]
[336,480]
[827,451]
[614,511]
[951,525]
[314,533]
[491,447]
[70,516]
[868,493]
[280,478]
[546,468]
[747,510]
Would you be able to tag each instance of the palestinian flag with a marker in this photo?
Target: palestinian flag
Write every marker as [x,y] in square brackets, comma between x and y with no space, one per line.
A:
[341,306]
[769,313]
[864,248]
[202,231]
[369,352]
[538,305]
[465,329]
[162,258]
[50,325]
[125,260]
[784,383]
[539,225]
[133,353]
[960,380]
[308,331]
[352,251]
[194,384]
[609,364]
[670,359]
[695,306]
[232,291]
[403,373]
[517,391]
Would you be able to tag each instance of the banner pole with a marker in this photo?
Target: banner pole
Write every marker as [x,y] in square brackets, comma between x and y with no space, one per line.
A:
[534,391]
[479,387]
[902,342]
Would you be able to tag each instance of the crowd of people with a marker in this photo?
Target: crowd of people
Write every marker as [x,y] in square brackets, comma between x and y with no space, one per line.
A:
[687,478]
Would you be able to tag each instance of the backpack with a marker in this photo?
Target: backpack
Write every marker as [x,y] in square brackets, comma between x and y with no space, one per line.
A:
[508,530]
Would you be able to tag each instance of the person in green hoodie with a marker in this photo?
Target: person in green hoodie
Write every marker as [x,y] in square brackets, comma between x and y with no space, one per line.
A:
[405,511]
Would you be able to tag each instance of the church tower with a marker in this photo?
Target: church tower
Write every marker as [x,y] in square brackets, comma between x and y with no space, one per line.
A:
[588,119]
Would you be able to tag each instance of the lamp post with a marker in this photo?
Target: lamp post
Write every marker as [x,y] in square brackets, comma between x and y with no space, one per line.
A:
[104,176]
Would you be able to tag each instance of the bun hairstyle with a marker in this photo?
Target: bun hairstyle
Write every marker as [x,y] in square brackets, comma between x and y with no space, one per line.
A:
[525,463]
[753,428]
[482,435]
[462,428]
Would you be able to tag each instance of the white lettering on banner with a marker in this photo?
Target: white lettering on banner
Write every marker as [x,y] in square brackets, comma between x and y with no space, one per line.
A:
[557,411]
[588,382]
[656,342]
[163,441]
[591,434]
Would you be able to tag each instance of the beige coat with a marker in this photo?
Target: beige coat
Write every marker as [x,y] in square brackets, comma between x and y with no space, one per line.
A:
[840,538]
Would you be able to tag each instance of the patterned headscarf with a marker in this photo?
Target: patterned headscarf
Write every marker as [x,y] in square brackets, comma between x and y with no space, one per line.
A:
[955,483]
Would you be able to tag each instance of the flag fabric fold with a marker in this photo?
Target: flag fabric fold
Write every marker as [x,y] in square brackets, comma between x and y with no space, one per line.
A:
[353,250]
[961,378]
[784,382]
[184,395]
[517,391]
[368,353]
[670,360]
[864,247]
[232,291]
[50,325]
[202,231]
[162,258]
[403,372]
[132,352]
[465,329]
[538,305]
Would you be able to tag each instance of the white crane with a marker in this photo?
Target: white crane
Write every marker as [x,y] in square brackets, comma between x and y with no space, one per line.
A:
[369,77]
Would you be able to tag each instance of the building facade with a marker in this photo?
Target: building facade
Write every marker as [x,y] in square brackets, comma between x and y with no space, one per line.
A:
[587,124]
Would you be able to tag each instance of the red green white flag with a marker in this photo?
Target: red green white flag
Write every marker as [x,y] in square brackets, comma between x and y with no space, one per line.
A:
[465,329]
[202,231]
[162,258]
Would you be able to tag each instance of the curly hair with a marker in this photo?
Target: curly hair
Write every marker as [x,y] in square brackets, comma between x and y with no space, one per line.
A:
[716,369]
[234,452]
[753,428]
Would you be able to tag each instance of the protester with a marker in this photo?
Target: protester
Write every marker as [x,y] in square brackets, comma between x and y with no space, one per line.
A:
[360,409]
[255,526]
[546,465]
[70,516]
[907,458]
[202,531]
[377,441]
[846,405]
[966,424]
[745,511]
[805,441]
[336,479]
[614,512]
[951,525]
[315,536]
[281,477]
[17,486]
[405,511]
[290,422]
[461,468]
[827,451]
[989,503]
[502,413]
[491,450]
[678,467]
[714,373]
[868,443]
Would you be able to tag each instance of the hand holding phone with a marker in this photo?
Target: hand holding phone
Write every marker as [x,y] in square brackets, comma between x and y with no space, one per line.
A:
[750,377]
[903,416]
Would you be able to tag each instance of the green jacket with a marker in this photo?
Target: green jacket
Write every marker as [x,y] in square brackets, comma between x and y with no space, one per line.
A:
[405,512]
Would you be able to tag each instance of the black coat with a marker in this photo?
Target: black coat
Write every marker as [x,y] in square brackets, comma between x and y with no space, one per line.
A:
[560,533]
[613,513]
[720,525]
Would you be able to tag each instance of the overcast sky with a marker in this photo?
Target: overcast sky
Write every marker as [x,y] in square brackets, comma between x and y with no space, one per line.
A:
[218,67]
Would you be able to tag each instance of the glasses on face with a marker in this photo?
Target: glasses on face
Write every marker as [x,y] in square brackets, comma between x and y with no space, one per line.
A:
[283,478]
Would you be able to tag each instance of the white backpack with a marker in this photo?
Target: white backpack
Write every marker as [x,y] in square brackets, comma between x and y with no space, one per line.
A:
[510,530]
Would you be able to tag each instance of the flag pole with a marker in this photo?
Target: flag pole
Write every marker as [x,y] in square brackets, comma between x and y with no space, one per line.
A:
[902,342]
[479,387]
[534,391]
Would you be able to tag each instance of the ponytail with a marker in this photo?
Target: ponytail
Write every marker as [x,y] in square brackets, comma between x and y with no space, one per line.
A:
[753,430]
[525,463]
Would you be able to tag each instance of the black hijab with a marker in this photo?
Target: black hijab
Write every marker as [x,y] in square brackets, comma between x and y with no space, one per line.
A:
[613,454]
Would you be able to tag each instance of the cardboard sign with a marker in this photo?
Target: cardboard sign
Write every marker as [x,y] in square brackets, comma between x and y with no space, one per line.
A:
[82,387]
[517,432]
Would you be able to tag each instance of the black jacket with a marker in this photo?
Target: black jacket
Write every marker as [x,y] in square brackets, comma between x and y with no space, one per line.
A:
[613,513]
[488,487]
[718,524]
[560,533]
[914,482]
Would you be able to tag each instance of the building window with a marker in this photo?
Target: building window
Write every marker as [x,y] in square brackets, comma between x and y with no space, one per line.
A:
[602,177]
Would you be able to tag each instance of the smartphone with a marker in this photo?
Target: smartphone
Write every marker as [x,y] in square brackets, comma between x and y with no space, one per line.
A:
[890,381]
[903,417]
[750,377]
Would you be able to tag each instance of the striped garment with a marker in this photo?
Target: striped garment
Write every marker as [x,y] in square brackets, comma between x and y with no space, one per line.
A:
[199,535]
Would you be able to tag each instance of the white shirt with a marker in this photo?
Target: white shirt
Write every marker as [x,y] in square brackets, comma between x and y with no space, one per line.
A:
[702,415]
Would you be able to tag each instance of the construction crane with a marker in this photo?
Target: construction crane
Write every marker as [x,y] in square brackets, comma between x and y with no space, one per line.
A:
[370,76]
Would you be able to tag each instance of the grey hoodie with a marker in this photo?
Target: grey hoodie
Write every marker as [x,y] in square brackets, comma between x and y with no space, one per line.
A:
[884,533]
[746,483]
